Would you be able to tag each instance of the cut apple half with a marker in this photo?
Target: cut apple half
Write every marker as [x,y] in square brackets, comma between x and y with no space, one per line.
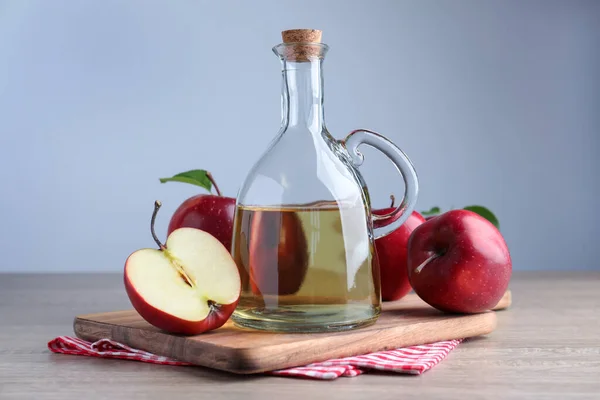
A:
[189,285]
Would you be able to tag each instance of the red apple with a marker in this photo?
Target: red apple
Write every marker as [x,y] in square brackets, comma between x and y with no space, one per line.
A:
[459,262]
[208,212]
[278,256]
[392,253]
[211,213]
[188,286]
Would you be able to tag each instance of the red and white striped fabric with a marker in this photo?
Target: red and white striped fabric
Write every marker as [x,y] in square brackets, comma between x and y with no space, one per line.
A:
[409,360]
[106,348]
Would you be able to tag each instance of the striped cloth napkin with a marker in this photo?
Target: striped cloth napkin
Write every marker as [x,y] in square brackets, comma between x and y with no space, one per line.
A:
[408,360]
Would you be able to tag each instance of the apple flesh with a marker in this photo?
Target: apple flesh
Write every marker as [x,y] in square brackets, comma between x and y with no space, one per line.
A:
[210,213]
[392,254]
[459,262]
[188,286]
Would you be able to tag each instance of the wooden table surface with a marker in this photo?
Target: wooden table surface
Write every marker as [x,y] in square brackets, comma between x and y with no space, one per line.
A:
[546,346]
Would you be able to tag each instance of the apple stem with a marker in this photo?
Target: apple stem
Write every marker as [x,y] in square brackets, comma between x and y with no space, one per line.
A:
[157,205]
[393,199]
[424,263]
[212,180]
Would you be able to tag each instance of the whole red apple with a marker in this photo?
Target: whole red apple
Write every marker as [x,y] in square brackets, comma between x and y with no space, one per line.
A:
[459,262]
[208,212]
[392,253]
[278,256]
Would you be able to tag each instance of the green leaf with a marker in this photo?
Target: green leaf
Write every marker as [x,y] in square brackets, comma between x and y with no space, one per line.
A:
[432,211]
[197,177]
[485,213]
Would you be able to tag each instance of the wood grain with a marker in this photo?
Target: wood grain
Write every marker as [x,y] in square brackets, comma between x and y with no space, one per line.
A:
[545,346]
[403,323]
[411,300]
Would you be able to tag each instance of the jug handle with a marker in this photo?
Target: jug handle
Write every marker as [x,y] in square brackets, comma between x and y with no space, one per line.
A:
[386,224]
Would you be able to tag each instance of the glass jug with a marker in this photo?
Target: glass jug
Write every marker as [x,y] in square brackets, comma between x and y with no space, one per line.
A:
[303,232]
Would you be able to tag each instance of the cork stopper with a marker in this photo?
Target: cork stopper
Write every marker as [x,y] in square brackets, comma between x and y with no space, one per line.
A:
[301,36]
[299,41]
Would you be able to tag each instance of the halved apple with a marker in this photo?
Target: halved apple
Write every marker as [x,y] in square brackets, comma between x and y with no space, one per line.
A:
[189,285]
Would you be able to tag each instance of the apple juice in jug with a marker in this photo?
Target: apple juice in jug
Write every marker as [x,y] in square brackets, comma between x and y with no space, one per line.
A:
[309,261]
[303,237]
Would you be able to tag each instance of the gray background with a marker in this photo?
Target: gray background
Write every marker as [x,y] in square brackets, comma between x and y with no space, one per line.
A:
[496,103]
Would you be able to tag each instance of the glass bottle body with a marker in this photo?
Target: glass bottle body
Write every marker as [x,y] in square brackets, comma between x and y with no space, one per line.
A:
[303,237]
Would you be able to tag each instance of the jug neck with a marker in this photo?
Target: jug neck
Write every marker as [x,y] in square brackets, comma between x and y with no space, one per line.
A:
[302,95]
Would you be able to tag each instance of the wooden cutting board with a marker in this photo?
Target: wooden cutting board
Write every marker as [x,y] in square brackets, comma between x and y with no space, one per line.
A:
[406,322]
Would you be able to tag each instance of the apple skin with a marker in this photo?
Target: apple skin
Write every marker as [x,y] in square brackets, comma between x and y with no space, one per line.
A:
[392,254]
[173,324]
[473,267]
[210,213]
